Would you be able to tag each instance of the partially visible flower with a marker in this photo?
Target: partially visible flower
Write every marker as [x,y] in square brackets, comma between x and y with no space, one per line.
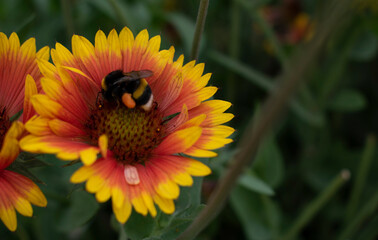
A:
[142,161]
[18,69]
[290,23]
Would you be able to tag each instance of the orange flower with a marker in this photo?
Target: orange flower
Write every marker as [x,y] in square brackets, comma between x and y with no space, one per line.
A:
[18,69]
[142,161]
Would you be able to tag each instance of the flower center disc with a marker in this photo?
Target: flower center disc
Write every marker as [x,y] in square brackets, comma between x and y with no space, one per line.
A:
[4,125]
[132,133]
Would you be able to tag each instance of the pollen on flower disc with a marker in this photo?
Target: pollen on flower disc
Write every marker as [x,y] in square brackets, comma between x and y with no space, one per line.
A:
[132,133]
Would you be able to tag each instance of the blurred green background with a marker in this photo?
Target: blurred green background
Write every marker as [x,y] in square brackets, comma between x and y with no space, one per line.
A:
[294,189]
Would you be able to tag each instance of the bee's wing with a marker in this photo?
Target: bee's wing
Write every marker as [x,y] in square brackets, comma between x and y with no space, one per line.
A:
[123,79]
[140,74]
[134,75]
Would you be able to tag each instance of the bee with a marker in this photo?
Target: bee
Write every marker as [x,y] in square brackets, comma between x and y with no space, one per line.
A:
[130,88]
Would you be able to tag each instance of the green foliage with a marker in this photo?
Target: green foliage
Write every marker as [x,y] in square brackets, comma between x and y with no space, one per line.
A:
[323,132]
[253,183]
[259,215]
[81,209]
[347,100]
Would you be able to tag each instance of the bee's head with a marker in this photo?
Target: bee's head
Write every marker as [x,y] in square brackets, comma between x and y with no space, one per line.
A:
[111,78]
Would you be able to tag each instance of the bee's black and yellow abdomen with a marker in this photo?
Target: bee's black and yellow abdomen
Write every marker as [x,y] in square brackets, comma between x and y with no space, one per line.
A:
[144,97]
[142,93]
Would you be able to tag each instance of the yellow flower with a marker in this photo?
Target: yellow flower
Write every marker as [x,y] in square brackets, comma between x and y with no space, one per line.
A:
[141,161]
[18,69]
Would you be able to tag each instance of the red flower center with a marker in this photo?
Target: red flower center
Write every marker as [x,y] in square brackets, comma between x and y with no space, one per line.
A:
[132,133]
[4,124]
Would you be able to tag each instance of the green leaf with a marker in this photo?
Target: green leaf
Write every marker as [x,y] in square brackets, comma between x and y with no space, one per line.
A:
[347,100]
[365,47]
[253,183]
[187,207]
[82,208]
[179,224]
[259,216]
[269,165]
[167,226]
[189,197]
[139,226]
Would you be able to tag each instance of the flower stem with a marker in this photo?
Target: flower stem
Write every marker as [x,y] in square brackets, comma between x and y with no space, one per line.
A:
[67,14]
[200,25]
[273,107]
[122,232]
[361,176]
[369,209]
[314,207]
[234,47]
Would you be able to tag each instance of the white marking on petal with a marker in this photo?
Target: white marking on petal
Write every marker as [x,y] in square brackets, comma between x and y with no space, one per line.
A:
[131,175]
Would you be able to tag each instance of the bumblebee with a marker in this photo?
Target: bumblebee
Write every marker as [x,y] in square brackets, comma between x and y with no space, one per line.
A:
[129,88]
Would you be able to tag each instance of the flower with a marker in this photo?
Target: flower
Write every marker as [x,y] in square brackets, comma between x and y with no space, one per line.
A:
[18,69]
[142,161]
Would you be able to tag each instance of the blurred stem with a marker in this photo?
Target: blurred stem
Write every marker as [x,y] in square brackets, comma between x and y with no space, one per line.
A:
[368,210]
[273,107]
[267,84]
[361,176]
[313,208]
[68,19]
[122,232]
[117,9]
[234,47]
[268,32]
[200,25]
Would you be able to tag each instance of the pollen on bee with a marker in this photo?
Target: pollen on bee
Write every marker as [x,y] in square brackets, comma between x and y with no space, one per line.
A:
[128,100]
[131,175]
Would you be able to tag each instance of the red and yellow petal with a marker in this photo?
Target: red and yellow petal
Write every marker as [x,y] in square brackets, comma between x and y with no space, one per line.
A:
[30,90]
[16,62]
[159,181]
[16,193]
[178,141]
[65,148]
[10,148]
[214,110]
[209,115]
